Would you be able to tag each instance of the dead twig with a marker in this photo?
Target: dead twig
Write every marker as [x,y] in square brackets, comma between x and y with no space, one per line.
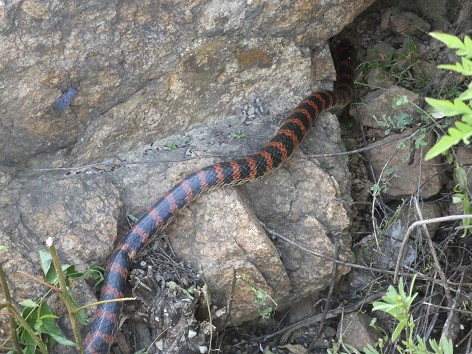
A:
[52,287]
[328,299]
[354,265]
[449,330]
[418,223]
[433,251]
[315,319]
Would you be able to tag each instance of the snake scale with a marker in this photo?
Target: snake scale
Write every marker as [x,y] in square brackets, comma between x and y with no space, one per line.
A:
[259,164]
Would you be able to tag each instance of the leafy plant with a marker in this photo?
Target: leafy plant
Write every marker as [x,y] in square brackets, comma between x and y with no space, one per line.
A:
[384,182]
[262,301]
[50,275]
[398,122]
[35,325]
[397,303]
[457,107]
[394,64]
[41,320]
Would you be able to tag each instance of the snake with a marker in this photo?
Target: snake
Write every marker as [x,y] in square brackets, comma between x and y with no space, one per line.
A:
[106,321]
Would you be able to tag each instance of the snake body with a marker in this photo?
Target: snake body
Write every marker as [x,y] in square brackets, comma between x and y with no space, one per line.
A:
[107,316]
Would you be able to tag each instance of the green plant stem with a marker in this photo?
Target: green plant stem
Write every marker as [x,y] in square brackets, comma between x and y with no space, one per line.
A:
[102,302]
[37,340]
[11,320]
[66,298]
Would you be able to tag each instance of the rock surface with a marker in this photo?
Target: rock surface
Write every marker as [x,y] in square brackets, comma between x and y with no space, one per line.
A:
[402,173]
[403,22]
[378,104]
[154,64]
[180,76]
[355,330]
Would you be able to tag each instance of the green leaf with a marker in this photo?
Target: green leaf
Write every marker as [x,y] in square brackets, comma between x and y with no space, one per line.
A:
[381,306]
[461,176]
[443,106]
[266,312]
[434,345]
[466,95]
[462,132]
[46,264]
[399,329]
[81,313]
[3,248]
[97,273]
[449,109]
[370,350]
[448,39]
[468,42]
[446,345]
[48,316]
[403,100]
[29,303]
[461,107]
[62,340]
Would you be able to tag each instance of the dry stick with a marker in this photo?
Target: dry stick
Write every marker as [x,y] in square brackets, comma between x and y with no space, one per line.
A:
[65,295]
[423,222]
[464,338]
[229,309]
[366,148]
[450,300]
[315,319]
[433,251]
[11,320]
[78,309]
[465,312]
[208,303]
[427,315]
[52,287]
[469,344]
[328,299]
[121,164]
[452,315]
[354,265]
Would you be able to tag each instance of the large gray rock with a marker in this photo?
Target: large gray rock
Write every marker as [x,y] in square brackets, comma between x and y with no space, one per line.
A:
[148,74]
[142,67]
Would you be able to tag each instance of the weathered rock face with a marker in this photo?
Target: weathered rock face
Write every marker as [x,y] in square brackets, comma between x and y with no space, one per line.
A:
[145,71]
[169,62]
[378,104]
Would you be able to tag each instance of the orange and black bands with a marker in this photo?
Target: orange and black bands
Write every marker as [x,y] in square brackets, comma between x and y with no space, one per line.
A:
[247,169]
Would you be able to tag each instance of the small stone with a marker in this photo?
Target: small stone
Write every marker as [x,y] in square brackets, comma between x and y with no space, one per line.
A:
[355,330]
[403,22]
[379,104]
[381,52]
[377,78]
[403,170]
